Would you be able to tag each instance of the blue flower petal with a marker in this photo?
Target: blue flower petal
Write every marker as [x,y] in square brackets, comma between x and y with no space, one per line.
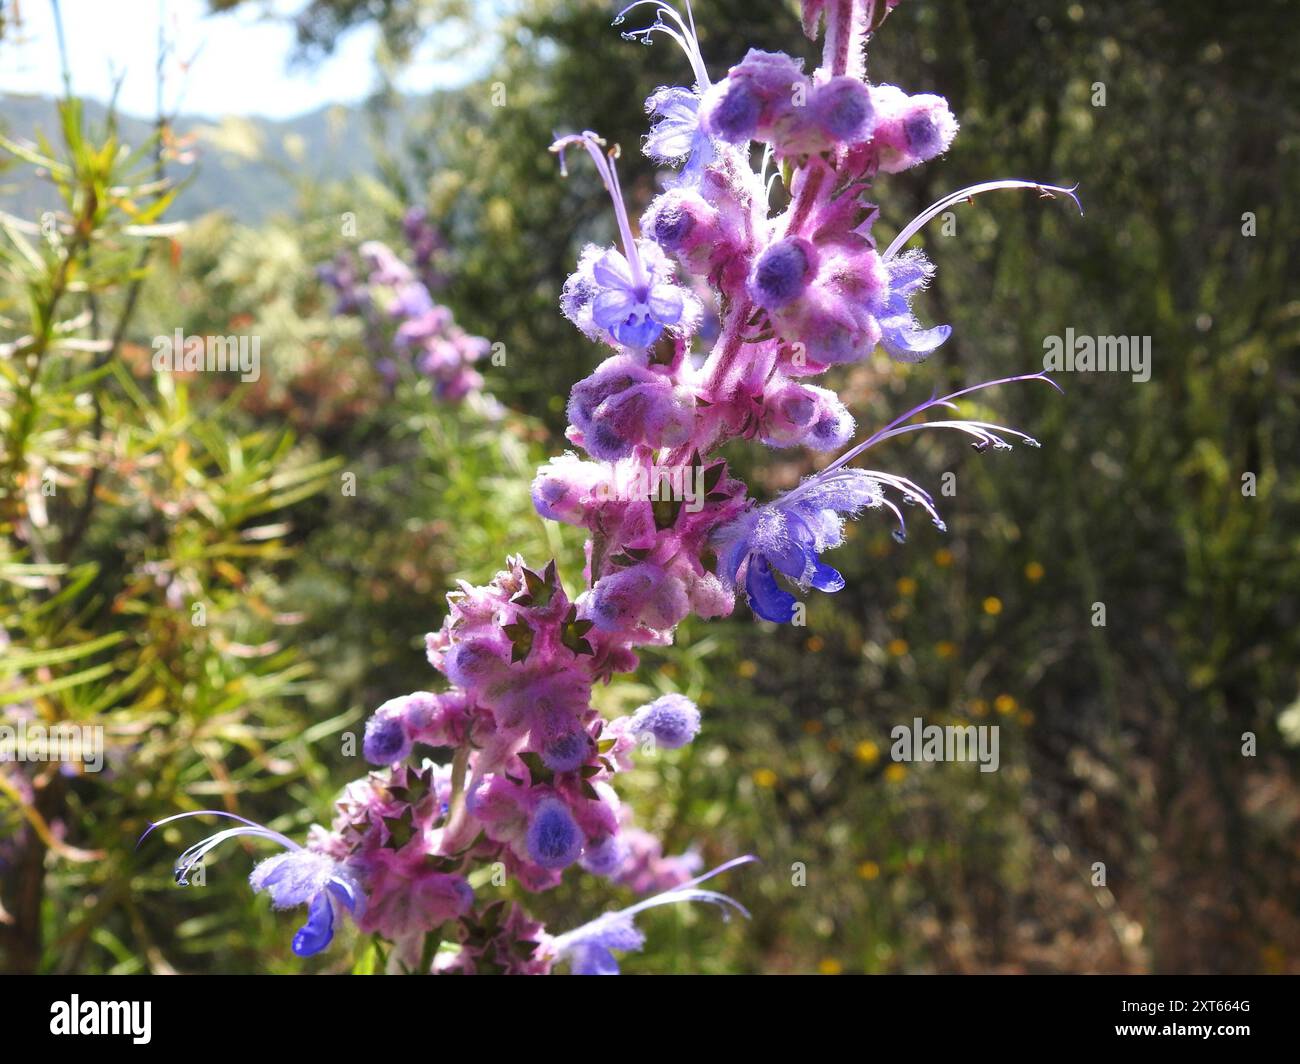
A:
[901,336]
[905,342]
[318,931]
[736,544]
[638,330]
[675,123]
[825,578]
[906,275]
[766,597]
[293,878]
[798,553]
[593,959]
[612,270]
[667,303]
[612,306]
[702,155]
[346,891]
[792,560]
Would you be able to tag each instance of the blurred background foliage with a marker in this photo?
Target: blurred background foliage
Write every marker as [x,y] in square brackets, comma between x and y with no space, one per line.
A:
[1120,745]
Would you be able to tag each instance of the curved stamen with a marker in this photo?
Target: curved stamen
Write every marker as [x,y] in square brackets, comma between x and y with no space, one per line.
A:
[683,33]
[683,892]
[900,533]
[939,206]
[985,432]
[593,145]
[892,428]
[913,494]
[726,866]
[195,854]
[284,840]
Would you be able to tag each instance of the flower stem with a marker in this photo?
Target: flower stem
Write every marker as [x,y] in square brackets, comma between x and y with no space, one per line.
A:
[844,50]
[726,351]
[456,812]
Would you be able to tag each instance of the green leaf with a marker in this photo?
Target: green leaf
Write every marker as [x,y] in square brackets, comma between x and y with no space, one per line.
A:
[666,512]
[572,633]
[27,155]
[63,683]
[18,660]
[537,769]
[400,831]
[521,637]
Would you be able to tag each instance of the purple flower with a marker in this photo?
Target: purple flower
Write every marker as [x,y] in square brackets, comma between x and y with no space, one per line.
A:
[301,877]
[782,272]
[909,129]
[606,856]
[412,301]
[757,100]
[590,954]
[531,782]
[634,309]
[384,265]
[735,111]
[900,334]
[911,271]
[669,23]
[386,741]
[796,413]
[566,750]
[672,719]
[788,536]
[424,241]
[842,107]
[402,320]
[676,133]
[675,130]
[640,595]
[298,877]
[554,840]
[628,294]
[341,275]
[623,404]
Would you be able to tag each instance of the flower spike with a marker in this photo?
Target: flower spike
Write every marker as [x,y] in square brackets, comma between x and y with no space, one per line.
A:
[671,530]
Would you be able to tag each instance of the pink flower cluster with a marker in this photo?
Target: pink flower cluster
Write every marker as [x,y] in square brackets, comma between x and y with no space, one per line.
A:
[804,289]
[403,322]
[671,532]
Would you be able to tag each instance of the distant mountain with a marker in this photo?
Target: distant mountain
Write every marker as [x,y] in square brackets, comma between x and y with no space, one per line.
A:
[242,166]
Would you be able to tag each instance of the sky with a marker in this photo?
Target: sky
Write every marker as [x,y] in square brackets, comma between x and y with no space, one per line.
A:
[239,60]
